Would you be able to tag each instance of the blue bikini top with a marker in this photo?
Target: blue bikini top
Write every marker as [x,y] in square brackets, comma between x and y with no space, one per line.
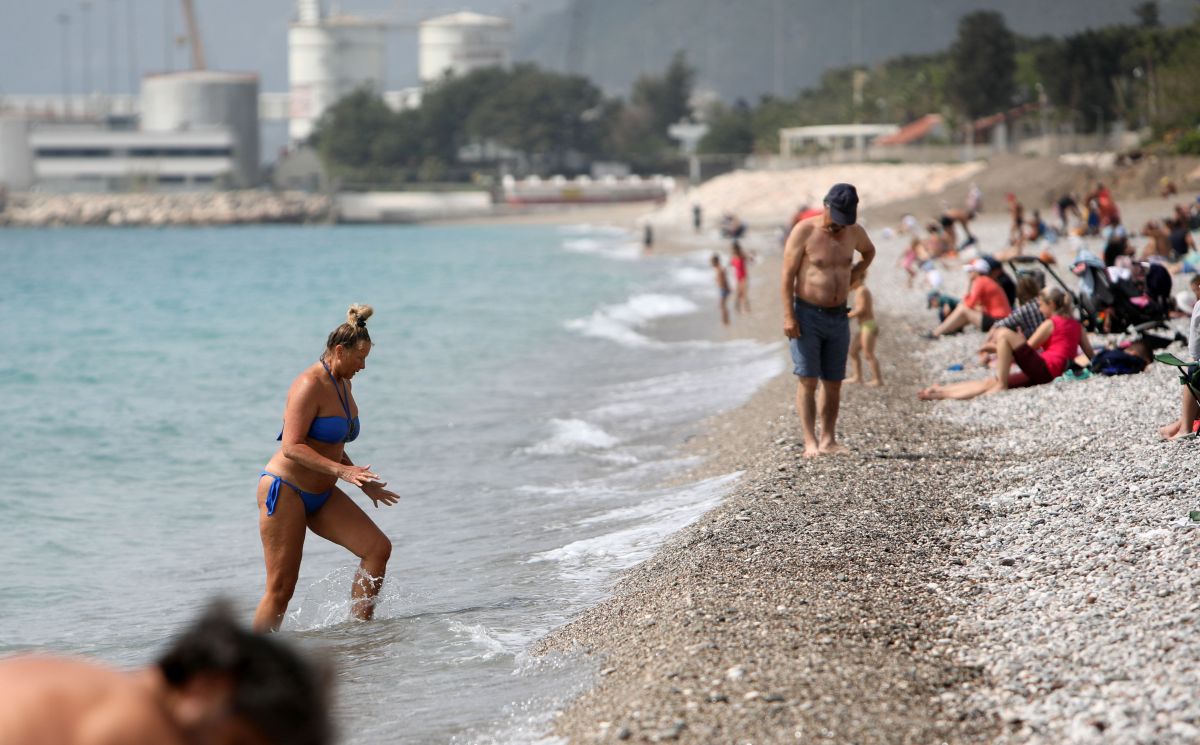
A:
[334,428]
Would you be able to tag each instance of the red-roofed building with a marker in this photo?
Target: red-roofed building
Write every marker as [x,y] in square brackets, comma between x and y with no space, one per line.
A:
[928,127]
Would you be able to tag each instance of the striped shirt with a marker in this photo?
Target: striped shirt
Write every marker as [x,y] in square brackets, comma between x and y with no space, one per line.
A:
[1025,318]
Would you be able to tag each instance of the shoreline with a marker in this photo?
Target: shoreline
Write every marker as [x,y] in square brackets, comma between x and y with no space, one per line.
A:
[945,582]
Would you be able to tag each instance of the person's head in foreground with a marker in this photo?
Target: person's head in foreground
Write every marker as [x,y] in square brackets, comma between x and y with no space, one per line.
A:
[348,345]
[841,207]
[216,684]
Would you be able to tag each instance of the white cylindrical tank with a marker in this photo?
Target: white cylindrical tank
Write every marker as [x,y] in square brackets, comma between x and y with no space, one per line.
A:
[16,157]
[328,60]
[202,99]
[461,42]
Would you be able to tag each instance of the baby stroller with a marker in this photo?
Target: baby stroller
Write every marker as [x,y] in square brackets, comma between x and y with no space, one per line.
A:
[1033,265]
[1137,302]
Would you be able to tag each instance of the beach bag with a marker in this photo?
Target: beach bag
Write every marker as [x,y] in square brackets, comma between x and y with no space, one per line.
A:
[1116,362]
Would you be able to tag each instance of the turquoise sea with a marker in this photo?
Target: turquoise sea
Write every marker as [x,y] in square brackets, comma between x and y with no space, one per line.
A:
[526,395]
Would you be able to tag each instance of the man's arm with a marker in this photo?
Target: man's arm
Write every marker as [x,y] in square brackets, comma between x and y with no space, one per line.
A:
[867,249]
[793,253]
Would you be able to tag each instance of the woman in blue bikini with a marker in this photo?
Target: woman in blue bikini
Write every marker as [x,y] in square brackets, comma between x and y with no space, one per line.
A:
[297,490]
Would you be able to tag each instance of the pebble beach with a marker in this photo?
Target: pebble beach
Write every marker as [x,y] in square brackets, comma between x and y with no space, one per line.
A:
[1016,569]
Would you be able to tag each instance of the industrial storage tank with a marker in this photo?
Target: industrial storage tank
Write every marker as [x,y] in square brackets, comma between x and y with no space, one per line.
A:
[201,99]
[461,42]
[329,58]
[16,156]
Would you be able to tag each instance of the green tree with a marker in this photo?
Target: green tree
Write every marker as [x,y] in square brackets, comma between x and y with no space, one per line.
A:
[730,130]
[346,133]
[982,64]
[666,98]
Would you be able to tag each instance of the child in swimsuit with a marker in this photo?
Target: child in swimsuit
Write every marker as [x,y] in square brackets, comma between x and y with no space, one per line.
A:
[864,341]
[722,288]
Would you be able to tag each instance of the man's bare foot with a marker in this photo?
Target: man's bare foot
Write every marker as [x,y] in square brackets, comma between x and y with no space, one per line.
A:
[875,383]
[832,448]
[855,379]
[932,393]
[811,451]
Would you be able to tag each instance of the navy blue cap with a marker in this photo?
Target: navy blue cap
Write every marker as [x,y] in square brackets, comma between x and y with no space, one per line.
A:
[842,201]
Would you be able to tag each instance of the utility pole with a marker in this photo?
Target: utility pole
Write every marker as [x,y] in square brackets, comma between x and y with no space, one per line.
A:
[64,21]
[85,9]
[131,45]
[112,47]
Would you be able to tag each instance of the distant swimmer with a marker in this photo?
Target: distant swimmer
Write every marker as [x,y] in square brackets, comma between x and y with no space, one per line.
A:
[217,684]
[722,289]
[297,490]
[818,270]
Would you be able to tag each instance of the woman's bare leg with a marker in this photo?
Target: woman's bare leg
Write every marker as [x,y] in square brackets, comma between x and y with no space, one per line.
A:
[959,391]
[283,546]
[343,522]
[1006,342]
[1189,411]
[958,318]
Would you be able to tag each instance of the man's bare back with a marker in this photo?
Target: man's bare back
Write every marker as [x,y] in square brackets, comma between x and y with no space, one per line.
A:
[70,702]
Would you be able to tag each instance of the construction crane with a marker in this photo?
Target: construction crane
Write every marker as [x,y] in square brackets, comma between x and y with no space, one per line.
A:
[189,15]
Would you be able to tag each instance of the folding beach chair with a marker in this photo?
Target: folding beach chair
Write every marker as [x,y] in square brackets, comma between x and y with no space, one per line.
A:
[1189,375]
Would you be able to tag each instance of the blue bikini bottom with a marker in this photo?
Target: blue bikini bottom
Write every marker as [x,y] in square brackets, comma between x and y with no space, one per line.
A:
[313,501]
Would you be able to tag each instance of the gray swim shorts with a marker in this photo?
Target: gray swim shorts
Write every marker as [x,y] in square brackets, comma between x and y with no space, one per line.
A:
[824,341]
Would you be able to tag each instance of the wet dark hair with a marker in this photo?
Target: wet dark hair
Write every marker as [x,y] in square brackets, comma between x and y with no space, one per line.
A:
[275,690]
[353,331]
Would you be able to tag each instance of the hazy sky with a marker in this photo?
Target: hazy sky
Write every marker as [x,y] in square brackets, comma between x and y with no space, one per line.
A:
[241,35]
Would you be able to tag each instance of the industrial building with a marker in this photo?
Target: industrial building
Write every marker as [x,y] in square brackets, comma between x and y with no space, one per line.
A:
[328,58]
[458,43]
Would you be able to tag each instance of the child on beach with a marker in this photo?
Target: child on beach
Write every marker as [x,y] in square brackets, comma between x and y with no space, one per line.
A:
[911,259]
[864,340]
[722,289]
[739,260]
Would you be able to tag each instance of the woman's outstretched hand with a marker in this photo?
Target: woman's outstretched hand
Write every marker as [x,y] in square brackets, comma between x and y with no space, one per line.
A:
[378,494]
[360,476]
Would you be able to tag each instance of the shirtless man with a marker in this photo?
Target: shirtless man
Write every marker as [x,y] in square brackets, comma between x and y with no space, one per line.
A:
[217,685]
[818,268]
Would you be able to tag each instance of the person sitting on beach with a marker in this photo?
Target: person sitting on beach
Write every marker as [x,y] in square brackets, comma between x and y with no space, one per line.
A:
[722,289]
[1036,229]
[1041,359]
[1189,410]
[818,269]
[1158,244]
[738,261]
[951,217]
[298,491]
[1024,320]
[984,304]
[943,303]
[1179,239]
[937,245]
[216,684]
[868,331]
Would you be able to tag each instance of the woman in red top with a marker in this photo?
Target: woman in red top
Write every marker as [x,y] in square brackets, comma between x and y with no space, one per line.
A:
[1041,359]
[741,300]
[984,304]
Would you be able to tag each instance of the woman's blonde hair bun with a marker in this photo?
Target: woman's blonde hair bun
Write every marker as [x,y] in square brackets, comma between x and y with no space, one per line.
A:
[358,314]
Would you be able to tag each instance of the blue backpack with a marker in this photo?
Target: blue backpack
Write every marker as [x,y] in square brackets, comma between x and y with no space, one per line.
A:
[1116,362]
